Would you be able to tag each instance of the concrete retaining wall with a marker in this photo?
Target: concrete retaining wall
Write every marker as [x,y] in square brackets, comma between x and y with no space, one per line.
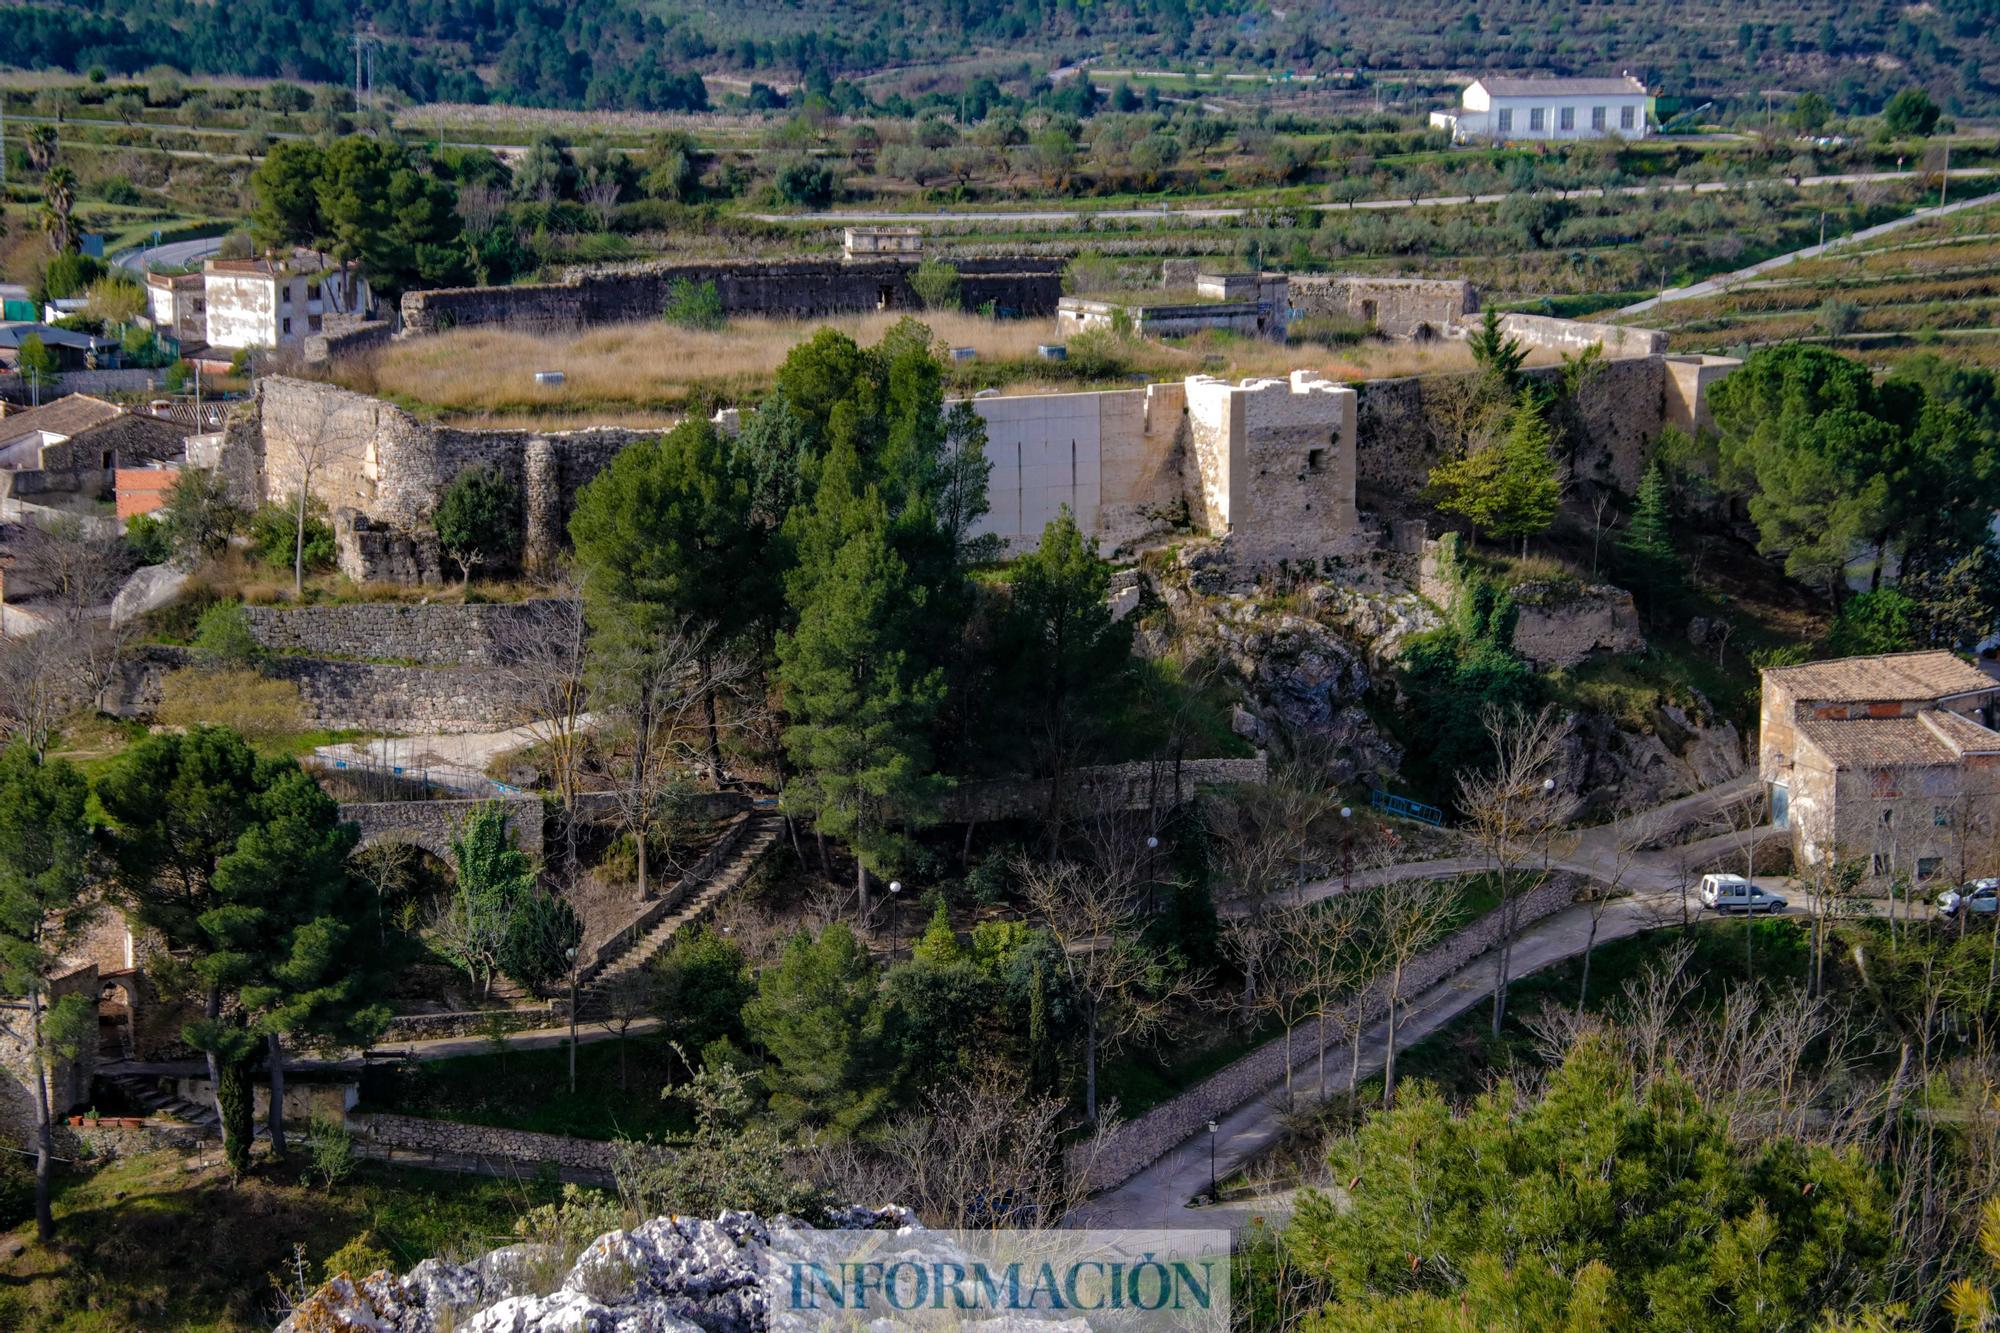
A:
[1136,1145]
[1574,335]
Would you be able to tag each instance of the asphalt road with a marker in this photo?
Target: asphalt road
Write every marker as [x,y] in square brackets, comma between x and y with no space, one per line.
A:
[174,254]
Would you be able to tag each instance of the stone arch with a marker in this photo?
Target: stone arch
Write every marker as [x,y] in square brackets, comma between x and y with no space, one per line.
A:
[431,825]
[118,991]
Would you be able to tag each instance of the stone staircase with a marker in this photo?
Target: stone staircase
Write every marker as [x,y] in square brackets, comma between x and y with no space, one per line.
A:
[687,904]
[147,1091]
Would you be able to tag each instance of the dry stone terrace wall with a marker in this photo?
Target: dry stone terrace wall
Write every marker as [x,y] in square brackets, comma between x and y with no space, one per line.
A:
[802,289]
[1136,1145]
[1106,787]
[455,1139]
[432,825]
[365,696]
[443,635]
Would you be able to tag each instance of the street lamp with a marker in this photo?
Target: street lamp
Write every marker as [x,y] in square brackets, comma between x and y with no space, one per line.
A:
[895,911]
[1346,846]
[1152,879]
[570,954]
[1212,1196]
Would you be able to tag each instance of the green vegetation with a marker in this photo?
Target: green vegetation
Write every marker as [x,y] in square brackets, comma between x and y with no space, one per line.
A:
[148,1244]
[618,1091]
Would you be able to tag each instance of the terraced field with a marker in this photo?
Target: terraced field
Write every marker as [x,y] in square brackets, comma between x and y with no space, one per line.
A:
[1933,285]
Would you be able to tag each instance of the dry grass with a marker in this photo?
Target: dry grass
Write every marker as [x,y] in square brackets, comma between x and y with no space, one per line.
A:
[647,373]
[651,369]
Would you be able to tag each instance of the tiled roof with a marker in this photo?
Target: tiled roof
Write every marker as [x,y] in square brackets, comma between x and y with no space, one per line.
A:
[65,416]
[1891,676]
[1505,86]
[1878,742]
[1960,732]
[137,438]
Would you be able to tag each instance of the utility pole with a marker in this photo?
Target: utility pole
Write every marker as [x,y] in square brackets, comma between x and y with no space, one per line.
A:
[1944,181]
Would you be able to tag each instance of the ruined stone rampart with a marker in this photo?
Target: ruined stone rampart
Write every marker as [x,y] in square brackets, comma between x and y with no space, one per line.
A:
[1399,307]
[376,459]
[801,289]
[1574,335]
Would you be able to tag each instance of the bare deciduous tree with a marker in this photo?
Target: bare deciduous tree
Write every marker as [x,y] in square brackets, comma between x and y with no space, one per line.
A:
[1513,809]
[979,1155]
[1125,988]
[1409,916]
[653,690]
[541,672]
[624,998]
[331,431]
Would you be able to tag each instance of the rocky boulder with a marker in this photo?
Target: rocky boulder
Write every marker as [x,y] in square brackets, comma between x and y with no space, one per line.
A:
[1615,768]
[667,1275]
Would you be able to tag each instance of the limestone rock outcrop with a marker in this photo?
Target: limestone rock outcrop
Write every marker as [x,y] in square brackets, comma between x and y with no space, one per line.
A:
[667,1275]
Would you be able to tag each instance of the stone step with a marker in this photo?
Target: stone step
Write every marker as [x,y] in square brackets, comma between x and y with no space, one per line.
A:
[758,839]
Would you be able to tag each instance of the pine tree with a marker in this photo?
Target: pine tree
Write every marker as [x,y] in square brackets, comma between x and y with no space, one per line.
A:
[819,1013]
[1495,352]
[1647,536]
[44,871]
[862,698]
[939,944]
[1530,483]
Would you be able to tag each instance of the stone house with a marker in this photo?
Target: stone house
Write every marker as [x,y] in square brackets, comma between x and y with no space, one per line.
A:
[279,302]
[178,305]
[1893,758]
[1495,107]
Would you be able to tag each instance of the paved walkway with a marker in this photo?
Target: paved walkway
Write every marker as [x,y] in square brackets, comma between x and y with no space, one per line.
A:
[1158,1196]
[1724,281]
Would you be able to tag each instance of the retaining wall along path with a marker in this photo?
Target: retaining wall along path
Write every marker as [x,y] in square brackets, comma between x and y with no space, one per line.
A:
[1137,1144]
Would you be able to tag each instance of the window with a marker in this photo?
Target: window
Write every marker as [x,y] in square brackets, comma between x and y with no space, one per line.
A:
[1536,120]
[1928,866]
[1566,118]
[1888,817]
[1881,864]
[1626,116]
[1504,120]
[288,324]
[1597,118]
[1940,817]
[312,291]
[1315,459]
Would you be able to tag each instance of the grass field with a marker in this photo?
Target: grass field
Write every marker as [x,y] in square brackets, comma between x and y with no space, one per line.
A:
[146,1244]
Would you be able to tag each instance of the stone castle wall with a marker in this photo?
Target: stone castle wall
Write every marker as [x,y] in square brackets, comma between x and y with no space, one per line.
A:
[1273,465]
[1399,307]
[1135,786]
[1574,335]
[378,460]
[801,289]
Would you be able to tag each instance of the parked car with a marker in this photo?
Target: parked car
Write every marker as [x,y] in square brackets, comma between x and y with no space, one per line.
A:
[1980,897]
[1733,893]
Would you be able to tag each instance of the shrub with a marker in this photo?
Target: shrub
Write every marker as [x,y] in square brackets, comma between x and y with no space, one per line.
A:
[694,305]
[147,537]
[274,533]
[199,517]
[540,935]
[936,284]
[478,520]
[223,638]
[68,274]
[358,1258]
[804,183]
[330,1156]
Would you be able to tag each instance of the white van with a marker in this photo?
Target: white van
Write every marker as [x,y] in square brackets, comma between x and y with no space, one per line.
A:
[1733,893]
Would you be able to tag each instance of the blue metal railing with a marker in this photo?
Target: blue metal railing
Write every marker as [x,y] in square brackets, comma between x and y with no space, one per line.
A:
[1404,806]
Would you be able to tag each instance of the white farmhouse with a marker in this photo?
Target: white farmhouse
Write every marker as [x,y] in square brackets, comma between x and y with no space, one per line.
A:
[1496,107]
[278,301]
